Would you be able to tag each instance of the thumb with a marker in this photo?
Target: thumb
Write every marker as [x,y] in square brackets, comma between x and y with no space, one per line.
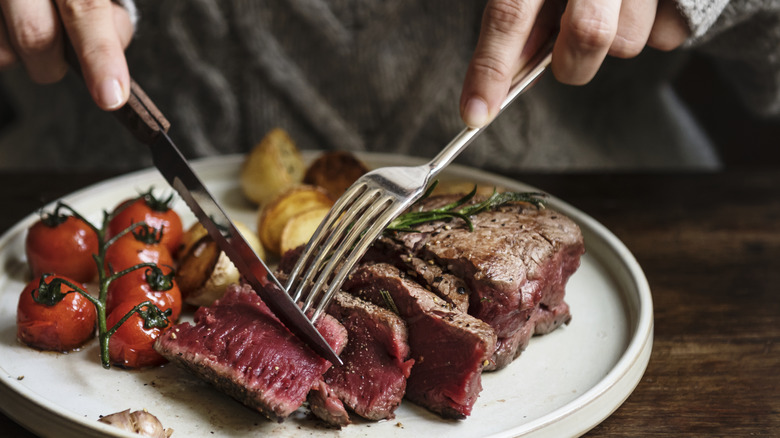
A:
[506,26]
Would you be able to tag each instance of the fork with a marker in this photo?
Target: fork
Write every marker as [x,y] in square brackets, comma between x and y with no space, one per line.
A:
[371,203]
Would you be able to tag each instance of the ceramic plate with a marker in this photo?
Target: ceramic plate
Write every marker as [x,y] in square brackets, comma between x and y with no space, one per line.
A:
[564,384]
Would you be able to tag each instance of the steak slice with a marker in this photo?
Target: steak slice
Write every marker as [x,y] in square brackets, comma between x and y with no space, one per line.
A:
[450,348]
[372,381]
[447,286]
[516,258]
[243,349]
[327,406]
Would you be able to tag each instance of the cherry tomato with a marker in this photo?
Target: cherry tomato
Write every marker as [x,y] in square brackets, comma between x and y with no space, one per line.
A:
[157,213]
[60,244]
[134,248]
[132,345]
[151,287]
[64,326]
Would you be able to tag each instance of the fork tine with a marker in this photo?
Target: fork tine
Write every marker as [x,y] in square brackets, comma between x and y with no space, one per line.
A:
[318,252]
[345,203]
[346,242]
[356,251]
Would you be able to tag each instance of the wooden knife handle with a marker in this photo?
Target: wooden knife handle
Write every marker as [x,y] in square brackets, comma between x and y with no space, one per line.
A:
[140,115]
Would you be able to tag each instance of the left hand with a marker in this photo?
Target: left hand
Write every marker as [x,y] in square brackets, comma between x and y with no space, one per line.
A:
[589,31]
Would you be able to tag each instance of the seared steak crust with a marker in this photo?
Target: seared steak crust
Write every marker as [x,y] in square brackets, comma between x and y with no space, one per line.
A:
[516,258]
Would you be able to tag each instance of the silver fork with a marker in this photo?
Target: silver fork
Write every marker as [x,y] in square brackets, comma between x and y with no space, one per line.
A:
[371,203]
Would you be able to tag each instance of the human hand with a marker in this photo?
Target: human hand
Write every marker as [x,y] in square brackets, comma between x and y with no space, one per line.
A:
[589,30]
[31,33]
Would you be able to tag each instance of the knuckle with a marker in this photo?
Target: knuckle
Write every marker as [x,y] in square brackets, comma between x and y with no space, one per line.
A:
[506,16]
[491,68]
[75,9]
[32,38]
[592,34]
[626,46]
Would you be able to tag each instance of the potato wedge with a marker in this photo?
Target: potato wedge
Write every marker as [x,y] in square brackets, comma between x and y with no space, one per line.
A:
[205,271]
[334,171]
[271,167]
[274,215]
[299,229]
[196,266]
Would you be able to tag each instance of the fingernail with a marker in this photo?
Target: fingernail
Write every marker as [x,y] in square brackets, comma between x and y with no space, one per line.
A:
[475,113]
[110,94]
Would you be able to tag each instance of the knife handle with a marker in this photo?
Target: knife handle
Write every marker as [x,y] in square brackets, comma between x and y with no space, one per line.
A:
[140,115]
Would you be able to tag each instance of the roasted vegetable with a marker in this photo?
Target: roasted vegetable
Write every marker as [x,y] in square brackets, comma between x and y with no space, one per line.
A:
[273,216]
[273,166]
[334,171]
[138,422]
[299,229]
[204,270]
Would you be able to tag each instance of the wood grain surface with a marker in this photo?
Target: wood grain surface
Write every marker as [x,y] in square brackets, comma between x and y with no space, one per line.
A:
[710,246]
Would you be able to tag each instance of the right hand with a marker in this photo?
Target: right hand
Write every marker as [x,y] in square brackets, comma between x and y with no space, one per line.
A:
[31,32]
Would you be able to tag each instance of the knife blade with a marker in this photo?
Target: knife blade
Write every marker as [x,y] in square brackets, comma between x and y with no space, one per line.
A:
[149,126]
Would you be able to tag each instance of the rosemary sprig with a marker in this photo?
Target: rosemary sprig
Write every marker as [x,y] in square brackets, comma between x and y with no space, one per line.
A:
[459,210]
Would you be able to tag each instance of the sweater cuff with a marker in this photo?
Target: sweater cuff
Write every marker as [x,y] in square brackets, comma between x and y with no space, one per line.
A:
[700,15]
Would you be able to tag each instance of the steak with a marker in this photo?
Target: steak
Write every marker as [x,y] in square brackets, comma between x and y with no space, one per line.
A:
[243,349]
[517,258]
[449,347]
[447,286]
[372,381]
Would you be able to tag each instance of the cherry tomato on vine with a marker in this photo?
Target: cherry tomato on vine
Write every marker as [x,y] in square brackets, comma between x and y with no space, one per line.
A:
[140,246]
[132,345]
[157,213]
[157,287]
[63,326]
[64,245]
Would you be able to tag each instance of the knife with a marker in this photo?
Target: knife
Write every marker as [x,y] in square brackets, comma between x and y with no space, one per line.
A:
[141,116]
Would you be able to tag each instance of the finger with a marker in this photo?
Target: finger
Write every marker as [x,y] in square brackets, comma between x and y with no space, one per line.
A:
[93,34]
[634,25]
[123,24]
[506,25]
[670,29]
[34,33]
[588,28]
[8,56]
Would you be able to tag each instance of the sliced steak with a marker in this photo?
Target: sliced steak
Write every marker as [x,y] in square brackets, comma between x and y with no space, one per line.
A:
[450,348]
[372,381]
[327,406]
[516,258]
[447,286]
[241,347]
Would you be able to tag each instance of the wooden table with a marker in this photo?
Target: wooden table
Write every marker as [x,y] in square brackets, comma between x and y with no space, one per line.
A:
[710,246]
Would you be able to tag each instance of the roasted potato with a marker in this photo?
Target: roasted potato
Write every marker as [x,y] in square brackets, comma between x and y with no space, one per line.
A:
[271,167]
[299,229]
[274,215]
[334,171]
[204,270]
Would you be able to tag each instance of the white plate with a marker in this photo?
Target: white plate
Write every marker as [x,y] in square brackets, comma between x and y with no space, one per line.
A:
[564,384]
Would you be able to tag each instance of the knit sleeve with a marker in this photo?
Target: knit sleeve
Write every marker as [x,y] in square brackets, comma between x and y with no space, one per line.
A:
[743,37]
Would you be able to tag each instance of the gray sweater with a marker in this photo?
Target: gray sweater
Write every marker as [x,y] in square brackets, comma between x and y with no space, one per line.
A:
[384,75]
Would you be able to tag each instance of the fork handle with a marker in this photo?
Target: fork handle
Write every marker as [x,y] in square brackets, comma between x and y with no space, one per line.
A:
[522,81]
